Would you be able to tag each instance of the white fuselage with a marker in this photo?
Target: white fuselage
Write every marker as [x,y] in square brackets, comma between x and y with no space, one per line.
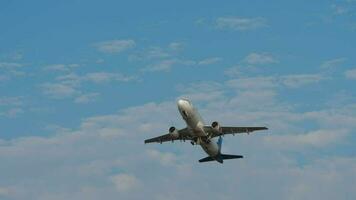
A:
[196,126]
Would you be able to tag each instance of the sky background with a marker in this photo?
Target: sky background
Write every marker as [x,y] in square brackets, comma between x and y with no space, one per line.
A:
[84,83]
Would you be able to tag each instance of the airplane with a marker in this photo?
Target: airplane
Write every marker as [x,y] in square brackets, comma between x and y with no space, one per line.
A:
[200,134]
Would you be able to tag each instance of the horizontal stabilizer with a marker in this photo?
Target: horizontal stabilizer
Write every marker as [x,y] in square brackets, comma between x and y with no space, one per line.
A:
[207,159]
[227,156]
[220,158]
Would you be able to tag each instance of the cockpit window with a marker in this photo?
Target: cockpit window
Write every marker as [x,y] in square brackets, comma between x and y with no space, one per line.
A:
[187,101]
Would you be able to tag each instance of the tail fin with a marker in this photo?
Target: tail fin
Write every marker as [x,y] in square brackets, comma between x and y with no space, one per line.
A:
[220,143]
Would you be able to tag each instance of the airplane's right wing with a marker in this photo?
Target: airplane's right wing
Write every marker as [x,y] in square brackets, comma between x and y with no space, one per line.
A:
[183,135]
[232,130]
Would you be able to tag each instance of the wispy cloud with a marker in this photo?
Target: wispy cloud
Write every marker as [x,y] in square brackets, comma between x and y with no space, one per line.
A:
[339,9]
[240,24]
[61,67]
[299,80]
[333,63]
[59,90]
[318,138]
[115,46]
[125,182]
[69,85]
[351,74]
[260,58]
[11,107]
[10,65]
[86,98]
[209,61]
[166,65]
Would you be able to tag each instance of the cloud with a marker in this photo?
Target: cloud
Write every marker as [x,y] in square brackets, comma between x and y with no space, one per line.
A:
[289,81]
[296,81]
[86,98]
[166,65]
[115,46]
[209,61]
[10,65]
[12,106]
[99,77]
[4,192]
[11,69]
[260,58]
[331,64]
[157,53]
[11,101]
[61,67]
[125,182]
[87,163]
[317,139]
[69,85]
[59,90]
[240,24]
[176,46]
[164,158]
[339,10]
[351,74]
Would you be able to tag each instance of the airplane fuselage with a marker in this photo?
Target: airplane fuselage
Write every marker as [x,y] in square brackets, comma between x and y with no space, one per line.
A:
[195,125]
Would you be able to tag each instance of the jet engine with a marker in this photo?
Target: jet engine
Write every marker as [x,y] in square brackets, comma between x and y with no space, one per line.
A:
[216,127]
[174,132]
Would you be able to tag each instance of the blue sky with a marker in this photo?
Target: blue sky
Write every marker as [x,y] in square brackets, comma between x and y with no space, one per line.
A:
[83,83]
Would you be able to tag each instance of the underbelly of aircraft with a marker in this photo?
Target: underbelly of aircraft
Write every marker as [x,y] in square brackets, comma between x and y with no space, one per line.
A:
[210,148]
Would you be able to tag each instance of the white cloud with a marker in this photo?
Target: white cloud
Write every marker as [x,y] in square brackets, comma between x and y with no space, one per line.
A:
[79,164]
[166,65]
[115,46]
[61,67]
[97,159]
[298,80]
[260,58]
[318,139]
[339,10]
[289,81]
[86,98]
[12,106]
[351,74]
[240,24]
[99,77]
[10,65]
[11,101]
[209,61]
[175,46]
[202,91]
[157,53]
[4,192]
[125,182]
[59,90]
[330,64]
[253,83]
[69,85]
[164,158]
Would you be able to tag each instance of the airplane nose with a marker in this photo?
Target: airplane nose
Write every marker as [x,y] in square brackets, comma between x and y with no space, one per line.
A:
[181,103]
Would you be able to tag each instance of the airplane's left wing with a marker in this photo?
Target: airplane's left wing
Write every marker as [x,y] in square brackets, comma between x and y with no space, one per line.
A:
[232,130]
[183,134]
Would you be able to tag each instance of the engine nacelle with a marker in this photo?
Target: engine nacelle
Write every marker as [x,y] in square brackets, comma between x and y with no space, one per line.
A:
[216,127]
[174,132]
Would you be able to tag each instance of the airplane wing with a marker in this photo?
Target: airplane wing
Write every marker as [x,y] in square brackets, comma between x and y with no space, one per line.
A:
[183,135]
[232,130]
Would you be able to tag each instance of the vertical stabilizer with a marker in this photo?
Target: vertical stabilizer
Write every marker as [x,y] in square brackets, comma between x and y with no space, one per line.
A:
[220,143]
